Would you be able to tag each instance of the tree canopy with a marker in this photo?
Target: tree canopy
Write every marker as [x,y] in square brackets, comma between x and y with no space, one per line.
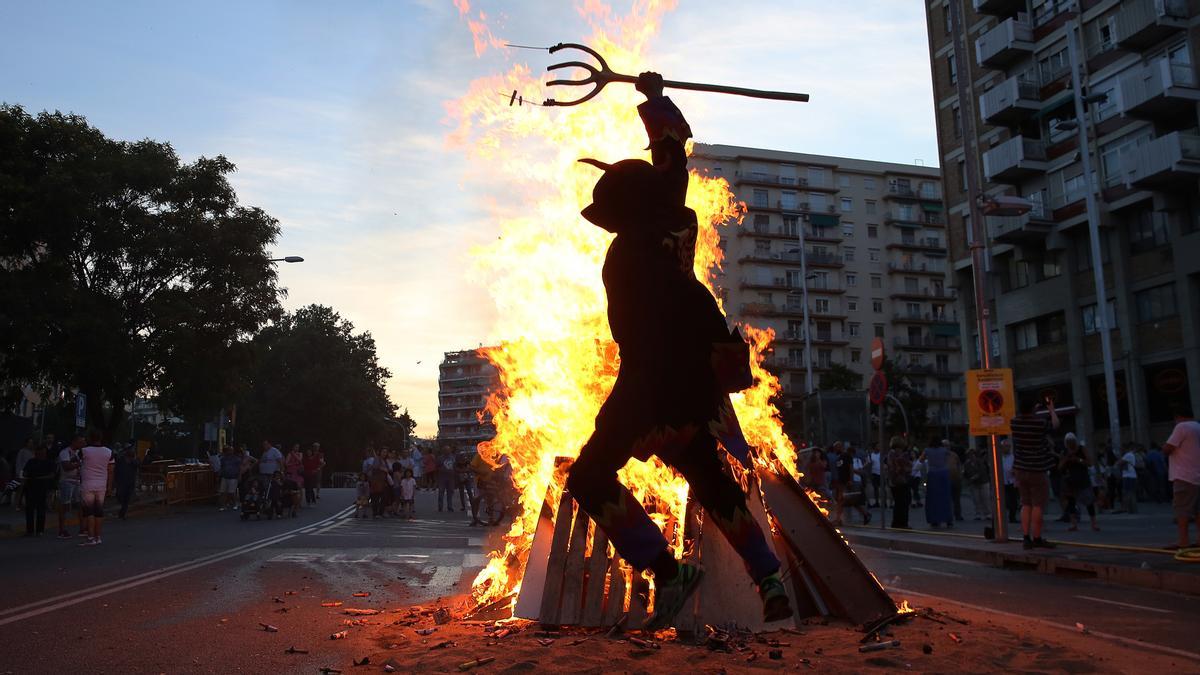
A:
[312,378]
[125,270]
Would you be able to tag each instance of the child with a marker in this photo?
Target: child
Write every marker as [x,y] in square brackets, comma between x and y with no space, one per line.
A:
[397,498]
[408,491]
[362,496]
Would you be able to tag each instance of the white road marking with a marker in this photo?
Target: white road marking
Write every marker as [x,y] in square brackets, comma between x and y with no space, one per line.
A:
[1129,642]
[925,556]
[83,595]
[1125,604]
[475,560]
[937,572]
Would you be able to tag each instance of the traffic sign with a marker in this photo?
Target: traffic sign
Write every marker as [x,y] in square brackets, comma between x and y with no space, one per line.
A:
[877,353]
[877,391]
[990,401]
[81,410]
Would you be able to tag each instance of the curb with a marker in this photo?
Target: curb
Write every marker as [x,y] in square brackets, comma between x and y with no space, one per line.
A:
[1113,573]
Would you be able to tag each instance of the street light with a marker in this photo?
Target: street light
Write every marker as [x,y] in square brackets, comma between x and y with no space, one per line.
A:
[808,376]
[288,259]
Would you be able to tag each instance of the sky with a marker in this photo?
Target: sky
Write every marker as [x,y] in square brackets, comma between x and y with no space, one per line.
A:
[335,115]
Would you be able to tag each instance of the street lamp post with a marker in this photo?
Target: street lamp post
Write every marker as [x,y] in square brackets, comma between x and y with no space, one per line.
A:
[804,277]
[287,259]
[1093,216]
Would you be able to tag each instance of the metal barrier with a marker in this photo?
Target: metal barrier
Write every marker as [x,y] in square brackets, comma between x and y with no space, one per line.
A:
[188,483]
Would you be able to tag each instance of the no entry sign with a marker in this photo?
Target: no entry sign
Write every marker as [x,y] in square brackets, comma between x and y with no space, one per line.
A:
[877,353]
[878,389]
[990,404]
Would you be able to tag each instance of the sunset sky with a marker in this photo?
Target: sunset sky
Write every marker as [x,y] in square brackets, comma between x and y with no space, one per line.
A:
[336,117]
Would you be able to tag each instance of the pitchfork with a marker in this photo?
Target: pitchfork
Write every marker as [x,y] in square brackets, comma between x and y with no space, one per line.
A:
[603,75]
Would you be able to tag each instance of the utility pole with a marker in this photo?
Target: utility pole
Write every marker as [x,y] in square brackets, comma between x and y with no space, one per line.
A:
[1093,214]
[808,378]
[976,239]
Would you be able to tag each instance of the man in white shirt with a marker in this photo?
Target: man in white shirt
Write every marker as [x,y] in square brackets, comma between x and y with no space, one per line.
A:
[1128,465]
[93,467]
[1183,451]
[270,460]
[68,485]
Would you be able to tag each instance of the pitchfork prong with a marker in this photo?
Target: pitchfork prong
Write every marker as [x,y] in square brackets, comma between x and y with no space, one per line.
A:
[590,79]
[583,48]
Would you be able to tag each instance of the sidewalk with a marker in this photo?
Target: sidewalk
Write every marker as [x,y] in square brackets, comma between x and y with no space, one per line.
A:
[1127,550]
[12,521]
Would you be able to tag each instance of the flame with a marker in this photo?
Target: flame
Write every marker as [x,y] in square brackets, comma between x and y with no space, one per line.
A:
[556,358]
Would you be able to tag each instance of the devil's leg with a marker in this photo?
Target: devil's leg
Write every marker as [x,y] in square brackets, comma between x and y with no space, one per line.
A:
[725,504]
[594,485]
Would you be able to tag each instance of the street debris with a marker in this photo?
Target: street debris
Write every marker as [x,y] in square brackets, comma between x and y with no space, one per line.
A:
[364,661]
[360,612]
[644,644]
[545,642]
[340,635]
[425,631]
[927,648]
[326,670]
[1081,628]
[442,645]
[269,628]
[775,654]
[293,650]
[441,616]
[879,646]
[362,594]
[955,637]
[289,592]
[473,663]
[282,610]
[278,600]
[580,641]
[331,604]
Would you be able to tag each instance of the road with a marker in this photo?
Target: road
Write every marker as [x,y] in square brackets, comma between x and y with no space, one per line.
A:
[187,592]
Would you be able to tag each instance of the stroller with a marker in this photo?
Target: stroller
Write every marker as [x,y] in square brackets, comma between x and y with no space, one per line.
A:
[273,497]
[290,498]
[252,500]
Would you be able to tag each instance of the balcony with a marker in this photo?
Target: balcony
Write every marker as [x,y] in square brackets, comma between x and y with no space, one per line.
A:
[924,294]
[926,317]
[793,258]
[927,342]
[1160,90]
[819,338]
[999,7]
[760,178]
[1010,101]
[1051,10]
[788,309]
[1142,23]
[1169,160]
[932,269]
[926,244]
[1030,228]
[1010,41]
[911,218]
[1013,160]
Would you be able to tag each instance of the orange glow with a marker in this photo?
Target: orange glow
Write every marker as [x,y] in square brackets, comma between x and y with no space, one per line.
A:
[556,357]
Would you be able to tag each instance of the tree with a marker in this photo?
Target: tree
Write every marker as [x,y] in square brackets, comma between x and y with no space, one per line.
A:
[916,406]
[124,270]
[839,377]
[313,378]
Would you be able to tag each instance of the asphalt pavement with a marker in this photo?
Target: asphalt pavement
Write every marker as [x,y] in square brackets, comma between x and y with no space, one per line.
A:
[190,590]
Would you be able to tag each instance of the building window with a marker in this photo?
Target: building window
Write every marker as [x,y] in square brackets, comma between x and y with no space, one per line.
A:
[852,304]
[1051,265]
[952,68]
[848,254]
[947,24]
[873,254]
[868,183]
[816,176]
[872,231]
[851,279]
[791,226]
[847,205]
[956,114]
[847,230]
[1154,304]
[1083,251]
[761,199]
[876,281]
[877,306]
[878,330]
[855,329]
[788,200]
[824,358]
[1044,330]
[1090,324]
[855,356]
[762,247]
[1147,231]
[821,305]
[844,181]
[1020,274]
[870,205]
[762,223]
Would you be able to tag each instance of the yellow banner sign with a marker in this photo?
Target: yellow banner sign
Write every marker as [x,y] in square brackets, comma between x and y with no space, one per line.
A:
[990,401]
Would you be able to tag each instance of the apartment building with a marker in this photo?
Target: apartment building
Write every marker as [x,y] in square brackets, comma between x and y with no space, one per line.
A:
[874,254]
[465,378]
[1141,91]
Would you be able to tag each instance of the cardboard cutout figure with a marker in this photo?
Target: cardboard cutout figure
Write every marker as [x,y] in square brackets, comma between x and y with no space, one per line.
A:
[679,362]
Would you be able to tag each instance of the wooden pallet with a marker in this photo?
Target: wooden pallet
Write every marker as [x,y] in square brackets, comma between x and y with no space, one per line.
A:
[573,578]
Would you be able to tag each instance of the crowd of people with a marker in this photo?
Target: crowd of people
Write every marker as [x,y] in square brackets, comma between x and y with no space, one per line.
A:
[389,480]
[1035,464]
[272,480]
